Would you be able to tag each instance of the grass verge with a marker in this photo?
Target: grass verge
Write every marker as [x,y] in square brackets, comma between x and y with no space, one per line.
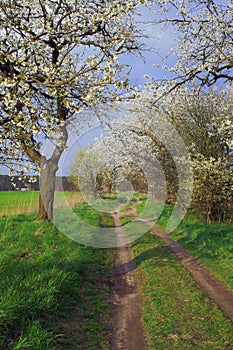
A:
[210,244]
[176,314]
[51,294]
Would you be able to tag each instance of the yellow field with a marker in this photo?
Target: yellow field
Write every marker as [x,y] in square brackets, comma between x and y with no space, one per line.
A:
[13,203]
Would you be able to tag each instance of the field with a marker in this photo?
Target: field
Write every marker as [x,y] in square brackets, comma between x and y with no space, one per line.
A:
[54,295]
[12,203]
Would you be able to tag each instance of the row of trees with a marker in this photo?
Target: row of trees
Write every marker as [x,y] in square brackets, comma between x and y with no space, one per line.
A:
[188,136]
[97,171]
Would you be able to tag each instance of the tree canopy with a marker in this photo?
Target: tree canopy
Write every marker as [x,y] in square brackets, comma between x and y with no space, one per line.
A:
[204,42]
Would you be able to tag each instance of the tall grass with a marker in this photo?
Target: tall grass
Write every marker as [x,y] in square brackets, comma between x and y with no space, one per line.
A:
[13,203]
[52,294]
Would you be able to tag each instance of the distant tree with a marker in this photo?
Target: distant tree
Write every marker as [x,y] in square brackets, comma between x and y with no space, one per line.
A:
[90,173]
[56,59]
[104,180]
[5,183]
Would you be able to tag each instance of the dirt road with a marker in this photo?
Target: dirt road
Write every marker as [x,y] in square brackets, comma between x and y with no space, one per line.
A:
[127,332]
[213,288]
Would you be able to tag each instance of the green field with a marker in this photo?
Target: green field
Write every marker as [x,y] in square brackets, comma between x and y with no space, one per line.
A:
[15,202]
[18,202]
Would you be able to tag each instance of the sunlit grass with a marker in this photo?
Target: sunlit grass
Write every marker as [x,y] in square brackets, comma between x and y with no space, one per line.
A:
[13,202]
[51,294]
[110,202]
[211,244]
[176,314]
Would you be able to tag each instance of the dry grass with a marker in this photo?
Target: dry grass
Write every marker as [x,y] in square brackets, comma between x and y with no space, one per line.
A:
[14,203]
[73,199]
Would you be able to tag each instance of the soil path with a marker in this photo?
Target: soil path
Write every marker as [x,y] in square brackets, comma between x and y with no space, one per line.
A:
[213,288]
[127,332]
[207,282]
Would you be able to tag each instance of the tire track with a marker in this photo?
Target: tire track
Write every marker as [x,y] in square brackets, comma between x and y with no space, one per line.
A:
[127,329]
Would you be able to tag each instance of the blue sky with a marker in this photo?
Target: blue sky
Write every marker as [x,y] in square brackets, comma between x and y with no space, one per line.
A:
[157,46]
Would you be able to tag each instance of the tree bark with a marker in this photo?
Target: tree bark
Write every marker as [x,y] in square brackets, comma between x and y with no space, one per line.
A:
[49,166]
[47,189]
[231,211]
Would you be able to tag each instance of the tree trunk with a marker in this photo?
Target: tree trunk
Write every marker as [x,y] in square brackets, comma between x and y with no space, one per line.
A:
[209,213]
[231,211]
[47,189]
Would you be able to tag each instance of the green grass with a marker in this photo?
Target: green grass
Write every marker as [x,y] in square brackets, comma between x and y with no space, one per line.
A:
[134,198]
[105,204]
[93,217]
[110,201]
[140,196]
[51,294]
[16,202]
[176,314]
[86,225]
[210,244]
[126,199]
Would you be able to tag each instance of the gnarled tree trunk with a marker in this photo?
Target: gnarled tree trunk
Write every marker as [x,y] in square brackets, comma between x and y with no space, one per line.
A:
[49,166]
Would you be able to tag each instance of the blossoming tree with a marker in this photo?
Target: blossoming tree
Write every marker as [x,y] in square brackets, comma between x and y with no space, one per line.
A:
[188,129]
[204,39]
[56,59]
[205,122]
